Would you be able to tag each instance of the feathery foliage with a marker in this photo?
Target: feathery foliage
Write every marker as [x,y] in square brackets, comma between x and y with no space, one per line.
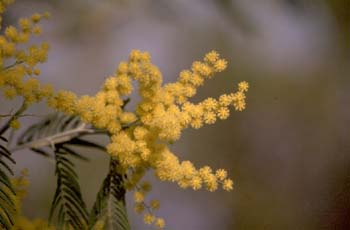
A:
[57,129]
[109,210]
[7,193]
[59,134]
[68,202]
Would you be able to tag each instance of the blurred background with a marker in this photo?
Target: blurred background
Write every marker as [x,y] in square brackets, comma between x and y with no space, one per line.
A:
[288,152]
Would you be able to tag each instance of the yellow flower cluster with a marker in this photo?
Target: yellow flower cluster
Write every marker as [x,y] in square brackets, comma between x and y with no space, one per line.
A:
[18,63]
[3,6]
[140,138]
[160,116]
[141,206]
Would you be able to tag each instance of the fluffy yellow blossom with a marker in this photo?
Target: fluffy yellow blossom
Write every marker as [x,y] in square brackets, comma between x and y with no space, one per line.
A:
[110,83]
[124,84]
[160,223]
[15,124]
[36,17]
[139,208]
[211,182]
[205,171]
[196,80]
[239,105]
[37,71]
[223,113]
[25,24]
[148,218]
[220,65]
[127,117]
[65,101]
[154,204]
[11,33]
[146,187]
[10,93]
[139,196]
[227,185]
[185,76]
[140,132]
[37,30]
[196,182]
[221,174]
[211,57]
[209,117]
[225,100]
[243,86]
[210,104]
[122,68]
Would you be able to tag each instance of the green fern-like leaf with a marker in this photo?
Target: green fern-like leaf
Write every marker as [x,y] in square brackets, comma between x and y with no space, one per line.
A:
[56,136]
[7,193]
[68,203]
[109,209]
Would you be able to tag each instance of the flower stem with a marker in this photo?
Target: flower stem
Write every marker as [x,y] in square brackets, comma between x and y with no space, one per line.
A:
[13,117]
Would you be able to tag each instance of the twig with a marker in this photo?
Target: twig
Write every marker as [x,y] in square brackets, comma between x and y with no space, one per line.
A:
[23,115]
[18,112]
[12,65]
[56,138]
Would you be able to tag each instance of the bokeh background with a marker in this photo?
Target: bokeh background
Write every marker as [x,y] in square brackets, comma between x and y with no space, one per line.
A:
[288,152]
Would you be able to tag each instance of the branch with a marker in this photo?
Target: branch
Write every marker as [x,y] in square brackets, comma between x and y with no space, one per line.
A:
[56,138]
